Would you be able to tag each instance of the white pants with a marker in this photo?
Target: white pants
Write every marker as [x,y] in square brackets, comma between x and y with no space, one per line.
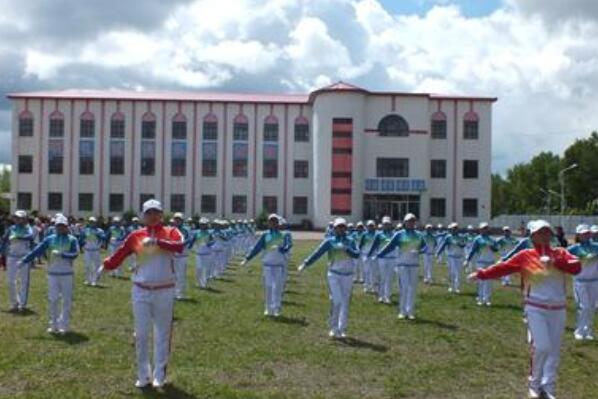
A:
[359,272]
[118,272]
[585,295]
[339,291]
[386,269]
[273,283]
[92,264]
[60,286]
[484,290]
[15,275]
[203,269]
[407,289]
[428,266]
[180,270]
[153,311]
[546,329]
[369,272]
[454,272]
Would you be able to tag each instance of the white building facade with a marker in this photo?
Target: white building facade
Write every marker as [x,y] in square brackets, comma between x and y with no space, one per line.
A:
[339,151]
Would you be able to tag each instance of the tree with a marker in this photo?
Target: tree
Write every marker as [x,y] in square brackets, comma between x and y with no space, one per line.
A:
[5,189]
[582,182]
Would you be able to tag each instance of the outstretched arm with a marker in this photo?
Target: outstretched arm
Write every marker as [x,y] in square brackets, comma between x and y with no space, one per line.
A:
[321,250]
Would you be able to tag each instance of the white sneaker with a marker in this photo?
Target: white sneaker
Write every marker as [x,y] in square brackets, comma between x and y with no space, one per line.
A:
[157,383]
[479,303]
[578,336]
[488,304]
[458,291]
[387,301]
[548,395]
[380,300]
[51,330]
[343,335]
[277,313]
[62,331]
[401,316]
[533,394]
[332,334]
[589,337]
[139,384]
[450,290]
[411,317]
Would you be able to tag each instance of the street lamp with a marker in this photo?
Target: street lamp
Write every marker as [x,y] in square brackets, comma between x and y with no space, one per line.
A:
[562,182]
[549,193]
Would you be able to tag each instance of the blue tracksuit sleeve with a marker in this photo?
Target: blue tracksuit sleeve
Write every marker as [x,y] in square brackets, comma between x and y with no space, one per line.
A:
[287,244]
[73,251]
[321,250]
[392,244]
[257,248]
[443,244]
[423,246]
[37,251]
[375,245]
[523,244]
[353,251]
[474,249]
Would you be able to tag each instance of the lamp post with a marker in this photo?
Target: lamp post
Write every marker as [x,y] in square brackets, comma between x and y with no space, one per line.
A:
[549,193]
[562,182]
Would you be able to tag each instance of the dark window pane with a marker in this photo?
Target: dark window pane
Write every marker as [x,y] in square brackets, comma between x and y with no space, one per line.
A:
[26,127]
[179,158]
[438,169]
[209,159]
[210,130]
[177,202]
[116,203]
[470,207]
[392,167]
[86,152]
[240,132]
[24,201]
[117,157]
[470,169]
[56,127]
[438,129]
[179,130]
[87,128]
[470,130]
[117,129]
[300,205]
[301,132]
[25,163]
[270,204]
[148,129]
[208,204]
[148,157]
[55,201]
[85,202]
[239,204]
[240,159]
[301,170]
[393,125]
[438,207]
[271,132]
[55,156]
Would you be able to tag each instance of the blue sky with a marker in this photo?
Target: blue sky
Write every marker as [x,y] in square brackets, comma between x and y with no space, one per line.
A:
[470,8]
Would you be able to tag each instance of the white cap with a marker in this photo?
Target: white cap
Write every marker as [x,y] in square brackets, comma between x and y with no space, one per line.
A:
[360,224]
[371,223]
[453,225]
[61,219]
[274,216]
[245,221]
[506,228]
[114,219]
[594,228]
[469,227]
[178,215]
[428,226]
[409,216]
[399,226]
[135,219]
[440,226]
[20,214]
[152,205]
[92,219]
[582,229]
[537,225]
[386,219]
[204,220]
[483,225]
[350,225]
[339,222]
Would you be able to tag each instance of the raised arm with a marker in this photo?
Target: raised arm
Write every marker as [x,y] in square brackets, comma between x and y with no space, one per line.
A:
[73,251]
[37,251]
[257,248]
[321,250]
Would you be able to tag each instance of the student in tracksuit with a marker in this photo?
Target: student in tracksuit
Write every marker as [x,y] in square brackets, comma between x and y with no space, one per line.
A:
[484,249]
[370,268]
[201,243]
[131,228]
[543,270]
[116,236]
[181,259]
[430,239]
[506,243]
[288,243]
[273,246]
[341,252]
[63,248]
[153,289]
[453,244]
[359,267]
[585,283]
[17,242]
[410,244]
[90,240]
[387,263]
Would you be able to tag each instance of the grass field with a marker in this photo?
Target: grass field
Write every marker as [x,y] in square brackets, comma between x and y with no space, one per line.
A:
[224,348]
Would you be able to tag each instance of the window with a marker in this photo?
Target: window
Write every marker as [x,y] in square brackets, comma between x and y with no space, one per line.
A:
[240,159]
[148,157]
[471,126]
[24,201]
[438,169]
[241,128]
[177,202]
[470,207]
[86,150]
[301,169]
[470,169]
[438,126]
[437,207]
[56,124]
[300,205]
[87,125]
[179,128]
[55,156]
[270,161]
[239,204]
[117,157]
[179,158]
[25,163]
[117,126]
[26,124]
[143,198]
[392,167]
[271,129]
[148,126]
[209,159]
[270,204]
[85,202]
[208,203]
[210,127]
[116,203]
[301,130]
[54,201]
[393,125]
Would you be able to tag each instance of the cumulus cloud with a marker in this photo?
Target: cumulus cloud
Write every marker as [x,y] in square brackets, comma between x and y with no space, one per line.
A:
[538,56]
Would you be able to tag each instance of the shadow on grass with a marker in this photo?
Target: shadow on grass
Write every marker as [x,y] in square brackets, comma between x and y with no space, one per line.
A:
[291,292]
[291,303]
[168,391]
[71,338]
[224,280]
[187,300]
[289,320]
[516,308]
[211,290]
[358,343]
[436,323]
[22,313]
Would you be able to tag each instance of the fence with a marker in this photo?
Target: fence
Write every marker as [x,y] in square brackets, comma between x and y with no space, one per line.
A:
[569,222]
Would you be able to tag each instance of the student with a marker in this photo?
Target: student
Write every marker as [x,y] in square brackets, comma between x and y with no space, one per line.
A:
[153,289]
[16,243]
[201,243]
[585,284]
[341,252]
[453,244]
[386,263]
[544,271]
[370,265]
[181,259]
[116,236]
[274,247]
[63,248]
[430,239]
[90,240]
[484,250]
[506,244]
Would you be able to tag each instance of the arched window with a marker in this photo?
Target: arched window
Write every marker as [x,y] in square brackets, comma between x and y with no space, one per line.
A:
[271,129]
[471,126]
[148,144]
[393,126]
[270,149]
[25,124]
[438,125]
[240,146]
[56,124]
[117,144]
[209,159]
[178,160]
[179,127]
[86,143]
[301,129]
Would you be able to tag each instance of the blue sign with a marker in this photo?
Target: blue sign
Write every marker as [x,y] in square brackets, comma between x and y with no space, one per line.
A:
[387,185]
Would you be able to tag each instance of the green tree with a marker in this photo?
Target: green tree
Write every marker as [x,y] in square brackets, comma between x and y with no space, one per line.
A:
[582,182]
[5,189]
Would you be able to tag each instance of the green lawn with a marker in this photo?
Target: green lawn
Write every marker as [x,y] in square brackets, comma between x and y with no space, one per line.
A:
[224,348]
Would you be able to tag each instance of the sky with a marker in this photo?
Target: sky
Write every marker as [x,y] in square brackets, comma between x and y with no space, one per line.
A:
[539,57]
